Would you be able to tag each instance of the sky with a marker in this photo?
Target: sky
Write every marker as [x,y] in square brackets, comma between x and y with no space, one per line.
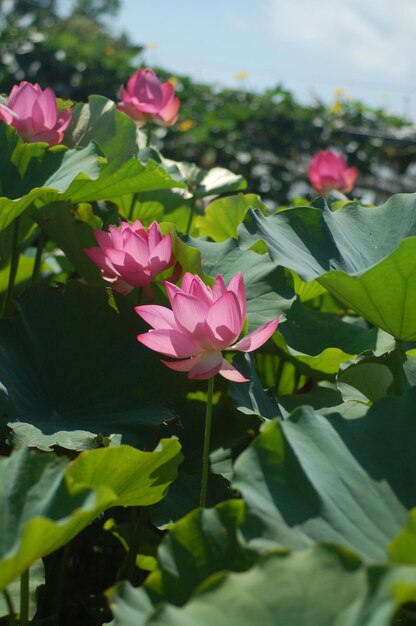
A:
[312,47]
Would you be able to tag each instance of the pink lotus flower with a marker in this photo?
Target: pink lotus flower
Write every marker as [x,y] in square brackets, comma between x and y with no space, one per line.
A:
[203,322]
[131,256]
[34,114]
[148,100]
[329,171]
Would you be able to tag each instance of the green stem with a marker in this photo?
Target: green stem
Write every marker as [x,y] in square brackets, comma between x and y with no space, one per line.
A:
[62,559]
[296,380]
[134,543]
[191,216]
[149,137]
[38,259]
[10,607]
[278,373]
[400,349]
[129,567]
[24,599]
[207,438]
[14,263]
[131,209]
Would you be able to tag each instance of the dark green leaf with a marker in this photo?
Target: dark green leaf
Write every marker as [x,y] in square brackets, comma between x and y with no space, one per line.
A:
[223,216]
[312,478]
[73,364]
[365,256]
[269,290]
[320,586]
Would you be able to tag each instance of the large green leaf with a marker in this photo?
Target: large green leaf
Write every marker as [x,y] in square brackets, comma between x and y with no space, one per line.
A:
[40,511]
[73,364]
[116,180]
[164,205]
[309,344]
[200,544]
[313,478]
[47,176]
[45,501]
[323,586]
[318,343]
[369,378]
[38,175]
[60,223]
[137,478]
[101,122]
[269,289]
[223,216]
[311,332]
[187,256]
[312,241]
[385,294]
[365,256]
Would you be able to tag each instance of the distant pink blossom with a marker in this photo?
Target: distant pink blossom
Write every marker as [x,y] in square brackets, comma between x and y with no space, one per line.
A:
[203,322]
[147,100]
[34,114]
[132,256]
[329,171]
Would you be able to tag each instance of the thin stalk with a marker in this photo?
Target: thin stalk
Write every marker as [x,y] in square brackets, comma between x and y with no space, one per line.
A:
[14,263]
[24,599]
[10,607]
[149,137]
[278,372]
[296,380]
[131,209]
[129,567]
[207,439]
[191,216]
[60,582]
[134,543]
[38,259]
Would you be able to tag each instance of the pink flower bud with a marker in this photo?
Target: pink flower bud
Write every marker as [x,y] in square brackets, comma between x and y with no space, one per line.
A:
[147,100]
[34,114]
[131,256]
[203,322]
[329,171]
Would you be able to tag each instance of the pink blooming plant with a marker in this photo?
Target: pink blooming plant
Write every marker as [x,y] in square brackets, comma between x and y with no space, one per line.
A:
[203,322]
[132,256]
[148,100]
[329,171]
[34,114]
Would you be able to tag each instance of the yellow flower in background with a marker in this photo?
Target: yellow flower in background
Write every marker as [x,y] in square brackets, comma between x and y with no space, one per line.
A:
[242,75]
[152,45]
[339,92]
[337,107]
[186,125]
[109,52]
[173,80]
[341,96]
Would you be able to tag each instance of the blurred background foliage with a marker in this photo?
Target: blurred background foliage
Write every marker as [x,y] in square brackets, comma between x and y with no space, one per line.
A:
[267,137]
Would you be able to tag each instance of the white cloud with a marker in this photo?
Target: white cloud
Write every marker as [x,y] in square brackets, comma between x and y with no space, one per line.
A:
[374,36]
